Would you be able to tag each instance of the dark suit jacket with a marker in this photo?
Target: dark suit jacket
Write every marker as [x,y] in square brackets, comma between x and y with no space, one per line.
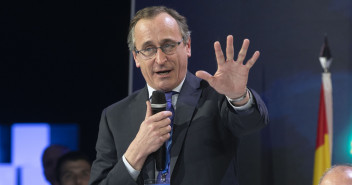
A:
[204,142]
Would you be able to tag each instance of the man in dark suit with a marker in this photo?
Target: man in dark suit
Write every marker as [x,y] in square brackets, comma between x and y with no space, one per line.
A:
[211,111]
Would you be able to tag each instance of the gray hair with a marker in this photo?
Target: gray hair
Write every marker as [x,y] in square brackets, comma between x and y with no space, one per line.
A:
[151,12]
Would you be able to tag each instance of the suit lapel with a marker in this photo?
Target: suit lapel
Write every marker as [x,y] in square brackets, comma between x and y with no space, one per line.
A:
[185,106]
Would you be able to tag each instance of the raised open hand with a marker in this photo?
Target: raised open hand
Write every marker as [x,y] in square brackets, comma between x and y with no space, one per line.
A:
[232,75]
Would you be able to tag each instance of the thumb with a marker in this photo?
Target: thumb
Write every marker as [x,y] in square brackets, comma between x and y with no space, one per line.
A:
[205,76]
[149,110]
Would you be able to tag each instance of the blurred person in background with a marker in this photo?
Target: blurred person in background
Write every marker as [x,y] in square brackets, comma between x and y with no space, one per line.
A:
[337,175]
[73,168]
[49,159]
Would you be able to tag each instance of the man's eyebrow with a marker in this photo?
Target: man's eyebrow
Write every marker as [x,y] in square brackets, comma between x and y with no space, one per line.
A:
[149,43]
[167,40]
[66,172]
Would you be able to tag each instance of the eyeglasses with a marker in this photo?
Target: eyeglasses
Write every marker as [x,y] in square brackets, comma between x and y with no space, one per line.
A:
[168,48]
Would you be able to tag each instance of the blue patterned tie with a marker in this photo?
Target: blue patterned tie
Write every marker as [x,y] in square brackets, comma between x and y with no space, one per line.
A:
[165,173]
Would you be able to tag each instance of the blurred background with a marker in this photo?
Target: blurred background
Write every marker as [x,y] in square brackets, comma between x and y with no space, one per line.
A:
[63,62]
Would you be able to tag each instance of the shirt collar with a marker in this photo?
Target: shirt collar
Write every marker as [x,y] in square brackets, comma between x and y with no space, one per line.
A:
[177,89]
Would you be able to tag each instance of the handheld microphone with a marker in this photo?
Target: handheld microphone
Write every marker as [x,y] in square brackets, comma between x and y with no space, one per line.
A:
[158,104]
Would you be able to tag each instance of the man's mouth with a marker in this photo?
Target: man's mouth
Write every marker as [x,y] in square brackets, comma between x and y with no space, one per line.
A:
[163,72]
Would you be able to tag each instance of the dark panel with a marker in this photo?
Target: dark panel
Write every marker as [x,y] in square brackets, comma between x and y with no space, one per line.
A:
[63,62]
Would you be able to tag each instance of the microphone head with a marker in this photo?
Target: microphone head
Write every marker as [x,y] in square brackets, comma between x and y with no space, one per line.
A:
[158,99]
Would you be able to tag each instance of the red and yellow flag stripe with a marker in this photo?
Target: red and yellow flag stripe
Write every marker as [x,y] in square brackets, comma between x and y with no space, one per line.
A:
[322,159]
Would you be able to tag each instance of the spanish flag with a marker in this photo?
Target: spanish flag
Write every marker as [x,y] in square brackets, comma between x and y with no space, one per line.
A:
[323,149]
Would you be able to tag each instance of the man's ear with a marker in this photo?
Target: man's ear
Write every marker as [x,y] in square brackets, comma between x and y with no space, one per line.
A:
[188,45]
[135,59]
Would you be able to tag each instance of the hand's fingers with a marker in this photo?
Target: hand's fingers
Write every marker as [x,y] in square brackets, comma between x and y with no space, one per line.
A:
[229,48]
[162,128]
[242,54]
[164,138]
[254,58]
[165,130]
[157,117]
[164,122]
[160,117]
[205,76]
[149,110]
[218,53]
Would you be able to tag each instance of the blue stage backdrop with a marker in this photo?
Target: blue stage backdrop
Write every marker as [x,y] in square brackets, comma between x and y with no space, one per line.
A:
[22,146]
[289,35]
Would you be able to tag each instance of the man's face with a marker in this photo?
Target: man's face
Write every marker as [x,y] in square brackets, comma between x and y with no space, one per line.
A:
[162,72]
[75,173]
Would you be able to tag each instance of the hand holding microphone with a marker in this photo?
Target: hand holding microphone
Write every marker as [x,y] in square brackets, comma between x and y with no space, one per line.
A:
[152,135]
[159,104]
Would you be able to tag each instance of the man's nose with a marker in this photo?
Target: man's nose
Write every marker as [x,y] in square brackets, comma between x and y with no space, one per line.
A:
[160,56]
[79,181]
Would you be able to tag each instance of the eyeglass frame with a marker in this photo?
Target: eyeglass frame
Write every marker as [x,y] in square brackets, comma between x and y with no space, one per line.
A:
[156,50]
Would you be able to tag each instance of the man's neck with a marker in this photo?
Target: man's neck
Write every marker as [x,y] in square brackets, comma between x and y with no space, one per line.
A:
[176,89]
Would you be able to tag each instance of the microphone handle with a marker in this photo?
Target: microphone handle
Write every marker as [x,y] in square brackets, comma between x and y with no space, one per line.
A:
[160,154]
[160,158]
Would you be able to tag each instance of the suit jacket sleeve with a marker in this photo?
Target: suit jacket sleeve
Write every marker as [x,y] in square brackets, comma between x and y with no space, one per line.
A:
[248,120]
[108,168]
